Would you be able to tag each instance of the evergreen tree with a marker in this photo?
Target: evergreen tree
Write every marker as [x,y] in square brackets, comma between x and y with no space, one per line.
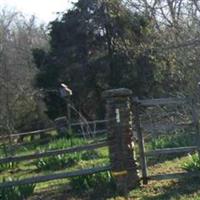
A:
[94,47]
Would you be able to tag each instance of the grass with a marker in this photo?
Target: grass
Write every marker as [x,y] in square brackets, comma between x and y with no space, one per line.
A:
[64,189]
[193,163]
[61,163]
[179,138]
[17,192]
[175,139]
[169,189]
[102,182]
[155,190]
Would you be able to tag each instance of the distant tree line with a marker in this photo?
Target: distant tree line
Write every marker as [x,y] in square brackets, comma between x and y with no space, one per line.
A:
[96,46]
[149,46]
[19,100]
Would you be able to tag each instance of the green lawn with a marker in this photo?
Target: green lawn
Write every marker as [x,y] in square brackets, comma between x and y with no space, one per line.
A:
[60,189]
[28,169]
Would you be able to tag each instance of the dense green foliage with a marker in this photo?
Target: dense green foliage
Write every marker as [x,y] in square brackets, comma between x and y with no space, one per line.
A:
[151,47]
[93,47]
[17,192]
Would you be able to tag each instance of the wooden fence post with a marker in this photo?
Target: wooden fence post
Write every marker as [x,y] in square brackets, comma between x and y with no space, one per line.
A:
[61,126]
[121,147]
[143,161]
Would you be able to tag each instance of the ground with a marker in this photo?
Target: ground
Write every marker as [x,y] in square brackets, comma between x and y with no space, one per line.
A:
[155,190]
[61,190]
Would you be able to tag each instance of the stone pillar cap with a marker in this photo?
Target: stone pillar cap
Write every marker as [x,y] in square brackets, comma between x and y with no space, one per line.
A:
[121,92]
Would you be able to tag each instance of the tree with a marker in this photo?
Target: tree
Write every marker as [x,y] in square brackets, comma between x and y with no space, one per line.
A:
[175,43]
[95,46]
[17,37]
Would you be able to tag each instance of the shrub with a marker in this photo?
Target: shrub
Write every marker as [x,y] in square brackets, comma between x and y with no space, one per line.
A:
[193,164]
[16,192]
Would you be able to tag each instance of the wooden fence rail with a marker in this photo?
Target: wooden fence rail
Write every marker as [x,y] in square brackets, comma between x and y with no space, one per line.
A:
[171,151]
[89,122]
[161,101]
[53,152]
[165,127]
[43,140]
[27,133]
[39,179]
[179,175]
[193,121]
[93,132]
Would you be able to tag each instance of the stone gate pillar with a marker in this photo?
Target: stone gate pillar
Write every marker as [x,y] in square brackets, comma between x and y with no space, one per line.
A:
[121,147]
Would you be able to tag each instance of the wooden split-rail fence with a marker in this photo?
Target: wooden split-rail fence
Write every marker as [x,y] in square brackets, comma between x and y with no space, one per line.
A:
[123,118]
[54,176]
[12,142]
[118,140]
[45,136]
[139,105]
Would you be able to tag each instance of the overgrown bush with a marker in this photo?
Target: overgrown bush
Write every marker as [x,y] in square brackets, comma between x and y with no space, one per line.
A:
[193,164]
[16,192]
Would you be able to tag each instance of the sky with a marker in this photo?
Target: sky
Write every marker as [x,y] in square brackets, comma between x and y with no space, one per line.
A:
[44,10]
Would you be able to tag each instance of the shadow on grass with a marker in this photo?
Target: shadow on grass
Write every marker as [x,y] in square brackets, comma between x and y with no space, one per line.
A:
[163,158]
[98,192]
[184,189]
[65,192]
[176,190]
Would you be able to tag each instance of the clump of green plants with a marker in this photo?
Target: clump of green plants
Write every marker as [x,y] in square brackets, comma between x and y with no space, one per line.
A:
[6,152]
[96,182]
[90,155]
[193,163]
[16,192]
[6,166]
[63,143]
[63,161]
[57,162]
[170,141]
[10,165]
